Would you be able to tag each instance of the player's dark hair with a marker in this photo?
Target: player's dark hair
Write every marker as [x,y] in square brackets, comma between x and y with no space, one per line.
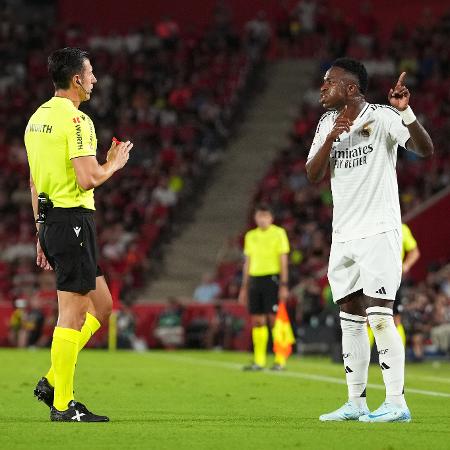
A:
[356,68]
[263,207]
[64,63]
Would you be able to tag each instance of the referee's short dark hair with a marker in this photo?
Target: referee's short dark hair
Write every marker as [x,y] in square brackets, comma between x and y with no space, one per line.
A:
[263,207]
[64,63]
[356,68]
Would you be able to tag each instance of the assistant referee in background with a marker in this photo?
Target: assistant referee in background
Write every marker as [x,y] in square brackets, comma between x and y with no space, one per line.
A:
[264,281]
[61,147]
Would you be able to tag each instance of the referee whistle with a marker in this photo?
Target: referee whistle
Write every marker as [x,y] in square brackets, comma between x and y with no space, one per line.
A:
[116,141]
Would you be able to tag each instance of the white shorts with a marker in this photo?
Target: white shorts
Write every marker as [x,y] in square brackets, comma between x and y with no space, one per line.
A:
[372,264]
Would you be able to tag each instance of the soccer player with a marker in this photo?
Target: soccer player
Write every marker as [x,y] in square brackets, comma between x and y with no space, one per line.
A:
[359,140]
[264,281]
[61,147]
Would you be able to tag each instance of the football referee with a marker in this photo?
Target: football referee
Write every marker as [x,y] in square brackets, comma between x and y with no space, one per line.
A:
[61,147]
[264,281]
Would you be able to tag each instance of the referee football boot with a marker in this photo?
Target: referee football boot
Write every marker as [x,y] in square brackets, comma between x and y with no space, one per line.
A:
[388,412]
[277,368]
[76,412]
[44,392]
[253,367]
[349,411]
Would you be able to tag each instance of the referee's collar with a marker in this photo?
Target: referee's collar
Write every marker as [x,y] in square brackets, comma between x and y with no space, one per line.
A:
[65,99]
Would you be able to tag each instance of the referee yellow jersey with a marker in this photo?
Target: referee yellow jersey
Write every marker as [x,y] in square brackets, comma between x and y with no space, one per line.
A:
[408,241]
[264,247]
[56,133]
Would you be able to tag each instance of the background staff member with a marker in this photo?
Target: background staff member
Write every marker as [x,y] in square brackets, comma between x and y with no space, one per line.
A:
[61,147]
[410,255]
[264,281]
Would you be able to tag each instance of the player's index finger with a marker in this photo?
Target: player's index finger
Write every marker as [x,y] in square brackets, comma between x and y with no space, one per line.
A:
[401,79]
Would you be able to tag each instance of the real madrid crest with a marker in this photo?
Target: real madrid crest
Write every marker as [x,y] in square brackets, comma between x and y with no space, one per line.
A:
[366,130]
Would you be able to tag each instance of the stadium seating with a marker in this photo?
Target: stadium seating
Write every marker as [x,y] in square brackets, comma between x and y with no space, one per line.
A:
[175,100]
[176,93]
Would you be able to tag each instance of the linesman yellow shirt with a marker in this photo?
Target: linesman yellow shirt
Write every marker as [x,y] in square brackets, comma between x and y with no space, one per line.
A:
[56,133]
[264,248]
[408,241]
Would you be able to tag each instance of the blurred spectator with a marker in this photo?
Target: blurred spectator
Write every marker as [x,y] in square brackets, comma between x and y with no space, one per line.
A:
[163,194]
[27,323]
[440,333]
[168,31]
[208,290]
[222,329]
[16,335]
[169,330]
[306,15]
[126,327]
[258,34]
[417,318]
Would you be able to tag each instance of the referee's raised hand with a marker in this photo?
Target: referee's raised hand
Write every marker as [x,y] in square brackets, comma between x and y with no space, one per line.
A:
[119,153]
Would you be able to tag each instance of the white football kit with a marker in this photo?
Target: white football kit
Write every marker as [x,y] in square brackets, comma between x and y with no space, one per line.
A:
[366,243]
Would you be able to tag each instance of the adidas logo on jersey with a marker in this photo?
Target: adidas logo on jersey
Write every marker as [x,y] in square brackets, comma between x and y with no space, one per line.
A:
[382,290]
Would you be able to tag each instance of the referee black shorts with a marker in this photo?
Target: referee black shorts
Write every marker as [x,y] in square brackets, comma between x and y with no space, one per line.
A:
[68,240]
[263,294]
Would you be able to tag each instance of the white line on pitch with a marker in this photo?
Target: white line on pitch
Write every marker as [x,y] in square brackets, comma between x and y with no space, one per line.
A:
[305,376]
[436,379]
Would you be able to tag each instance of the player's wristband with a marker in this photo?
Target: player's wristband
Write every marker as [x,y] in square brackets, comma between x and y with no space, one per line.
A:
[408,116]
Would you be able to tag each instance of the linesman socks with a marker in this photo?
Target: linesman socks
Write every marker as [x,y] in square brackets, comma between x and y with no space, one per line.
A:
[260,336]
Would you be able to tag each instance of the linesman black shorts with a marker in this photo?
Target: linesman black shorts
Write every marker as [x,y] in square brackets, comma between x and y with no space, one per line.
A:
[68,240]
[263,294]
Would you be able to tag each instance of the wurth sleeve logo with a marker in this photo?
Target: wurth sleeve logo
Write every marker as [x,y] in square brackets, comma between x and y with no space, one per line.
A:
[76,120]
[79,137]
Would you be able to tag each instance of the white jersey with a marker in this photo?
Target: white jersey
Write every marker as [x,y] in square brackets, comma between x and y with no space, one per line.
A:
[363,177]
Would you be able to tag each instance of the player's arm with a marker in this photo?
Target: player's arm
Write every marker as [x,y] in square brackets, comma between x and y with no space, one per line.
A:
[90,174]
[316,167]
[243,293]
[410,259]
[420,141]
[41,260]
[283,291]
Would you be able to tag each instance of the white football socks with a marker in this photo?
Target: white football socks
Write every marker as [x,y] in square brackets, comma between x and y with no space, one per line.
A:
[356,356]
[391,352]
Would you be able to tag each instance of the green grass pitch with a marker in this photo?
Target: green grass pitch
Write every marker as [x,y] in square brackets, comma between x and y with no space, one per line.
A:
[202,400]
